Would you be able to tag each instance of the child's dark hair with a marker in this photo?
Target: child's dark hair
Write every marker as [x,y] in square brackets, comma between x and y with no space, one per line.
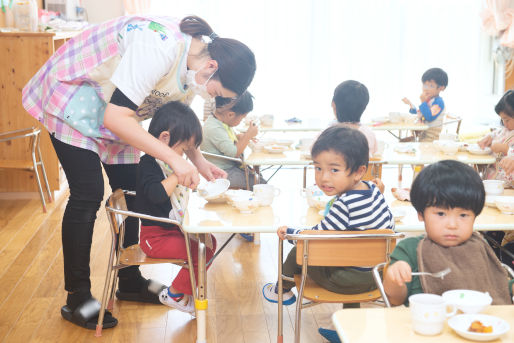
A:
[437,75]
[506,104]
[348,142]
[350,99]
[448,184]
[236,62]
[179,120]
[243,105]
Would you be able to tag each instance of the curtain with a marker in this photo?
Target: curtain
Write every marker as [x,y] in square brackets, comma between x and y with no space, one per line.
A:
[305,48]
[136,6]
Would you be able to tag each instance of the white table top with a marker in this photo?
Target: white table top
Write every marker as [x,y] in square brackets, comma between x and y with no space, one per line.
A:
[393,325]
[288,157]
[291,209]
[401,126]
[427,153]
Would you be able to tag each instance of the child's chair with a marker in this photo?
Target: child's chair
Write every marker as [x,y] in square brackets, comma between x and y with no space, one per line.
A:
[120,257]
[333,248]
[29,163]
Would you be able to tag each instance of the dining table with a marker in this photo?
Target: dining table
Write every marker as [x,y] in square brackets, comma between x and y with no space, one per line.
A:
[398,129]
[394,325]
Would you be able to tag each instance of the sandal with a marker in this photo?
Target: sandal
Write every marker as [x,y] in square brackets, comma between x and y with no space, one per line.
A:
[149,293]
[86,315]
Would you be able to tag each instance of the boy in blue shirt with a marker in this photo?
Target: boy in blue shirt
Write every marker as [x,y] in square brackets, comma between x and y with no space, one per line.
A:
[432,106]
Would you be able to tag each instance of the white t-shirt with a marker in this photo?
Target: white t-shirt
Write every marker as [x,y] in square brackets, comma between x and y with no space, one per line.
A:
[148,51]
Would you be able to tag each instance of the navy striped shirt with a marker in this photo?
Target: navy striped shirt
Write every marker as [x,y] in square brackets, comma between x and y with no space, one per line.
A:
[356,210]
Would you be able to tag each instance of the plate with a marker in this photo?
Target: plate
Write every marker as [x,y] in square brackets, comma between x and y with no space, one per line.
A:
[476,150]
[460,324]
[275,149]
[405,148]
[284,142]
[380,119]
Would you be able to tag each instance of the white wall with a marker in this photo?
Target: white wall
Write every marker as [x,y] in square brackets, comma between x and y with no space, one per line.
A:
[102,10]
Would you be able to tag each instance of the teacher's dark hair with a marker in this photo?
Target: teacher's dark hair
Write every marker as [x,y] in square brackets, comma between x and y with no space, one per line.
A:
[179,120]
[236,62]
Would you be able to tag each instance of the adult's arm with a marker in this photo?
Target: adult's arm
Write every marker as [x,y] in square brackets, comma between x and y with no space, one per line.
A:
[121,122]
[206,168]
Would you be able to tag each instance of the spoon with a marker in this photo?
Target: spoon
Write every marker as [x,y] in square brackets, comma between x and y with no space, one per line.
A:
[440,274]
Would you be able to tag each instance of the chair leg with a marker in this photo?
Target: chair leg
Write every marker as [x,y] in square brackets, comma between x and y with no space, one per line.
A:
[108,284]
[298,314]
[280,329]
[45,178]
[400,168]
[41,194]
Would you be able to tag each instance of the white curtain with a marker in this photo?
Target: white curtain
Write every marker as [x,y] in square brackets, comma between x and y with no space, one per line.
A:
[305,48]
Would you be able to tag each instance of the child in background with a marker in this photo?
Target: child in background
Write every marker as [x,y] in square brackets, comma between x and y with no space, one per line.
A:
[349,102]
[220,138]
[447,195]
[159,194]
[431,109]
[501,141]
[340,156]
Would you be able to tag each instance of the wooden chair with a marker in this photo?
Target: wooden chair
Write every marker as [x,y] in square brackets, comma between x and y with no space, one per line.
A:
[120,257]
[29,163]
[382,267]
[338,249]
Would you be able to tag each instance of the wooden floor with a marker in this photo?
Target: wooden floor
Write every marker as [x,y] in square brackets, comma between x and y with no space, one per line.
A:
[32,287]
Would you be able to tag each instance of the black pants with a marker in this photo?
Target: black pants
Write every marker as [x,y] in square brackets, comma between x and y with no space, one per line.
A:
[83,170]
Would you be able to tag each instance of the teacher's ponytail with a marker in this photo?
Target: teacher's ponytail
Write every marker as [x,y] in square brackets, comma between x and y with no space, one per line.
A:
[236,62]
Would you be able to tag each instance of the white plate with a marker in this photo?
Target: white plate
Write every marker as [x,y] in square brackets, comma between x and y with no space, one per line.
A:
[460,323]
[476,150]
[406,148]
[275,149]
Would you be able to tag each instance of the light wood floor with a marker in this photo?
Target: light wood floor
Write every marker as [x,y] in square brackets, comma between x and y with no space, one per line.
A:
[32,287]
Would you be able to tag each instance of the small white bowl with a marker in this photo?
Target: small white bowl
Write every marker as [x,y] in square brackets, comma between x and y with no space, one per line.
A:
[505,204]
[449,147]
[213,189]
[237,193]
[284,142]
[493,187]
[245,204]
[312,192]
[461,323]
[275,149]
[380,119]
[468,301]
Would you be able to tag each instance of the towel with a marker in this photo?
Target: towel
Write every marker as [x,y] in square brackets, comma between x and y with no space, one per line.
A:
[473,266]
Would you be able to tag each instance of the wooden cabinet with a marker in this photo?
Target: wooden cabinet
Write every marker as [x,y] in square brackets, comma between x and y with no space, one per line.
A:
[21,56]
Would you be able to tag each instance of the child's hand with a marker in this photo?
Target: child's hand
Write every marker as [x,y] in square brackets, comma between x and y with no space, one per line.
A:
[507,163]
[378,182]
[399,273]
[281,232]
[485,142]
[498,147]
[424,97]
[253,130]
[407,101]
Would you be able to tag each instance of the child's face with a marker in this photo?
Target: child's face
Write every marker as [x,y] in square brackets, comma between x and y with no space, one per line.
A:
[431,89]
[448,227]
[181,147]
[229,117]
[507,121]
[331,173]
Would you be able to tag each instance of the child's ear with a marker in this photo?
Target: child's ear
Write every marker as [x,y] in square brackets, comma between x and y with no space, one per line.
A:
[420,217]
[442,88]
[165,137]
[334,108]
[359,174]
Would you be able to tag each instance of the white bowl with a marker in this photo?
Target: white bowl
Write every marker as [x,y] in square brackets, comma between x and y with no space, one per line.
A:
[490,200]
[256,146]
[448,136]
[476,150]
[505,204]
[449,147]
[284,142]
[213,189]
[468,301]
[380,119]
[245,204]
[408,117]
[461,323]
[493,187]
[237,193]
[275,149]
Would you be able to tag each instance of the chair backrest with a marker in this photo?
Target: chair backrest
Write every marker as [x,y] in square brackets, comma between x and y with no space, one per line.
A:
[116,201]
[347,248]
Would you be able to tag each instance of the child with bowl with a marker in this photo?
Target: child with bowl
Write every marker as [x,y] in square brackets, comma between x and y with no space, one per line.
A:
[340,156]
[448,196]
[220,138]
[159,194]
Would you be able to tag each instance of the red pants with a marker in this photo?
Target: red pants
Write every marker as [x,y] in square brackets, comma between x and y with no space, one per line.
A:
[159,242]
